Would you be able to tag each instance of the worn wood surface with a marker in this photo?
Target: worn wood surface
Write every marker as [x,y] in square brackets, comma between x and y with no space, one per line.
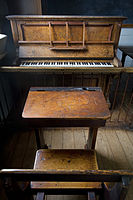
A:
[95,70]
[67,175]
[66,104]
[71,107]
[65,160]
[95,51]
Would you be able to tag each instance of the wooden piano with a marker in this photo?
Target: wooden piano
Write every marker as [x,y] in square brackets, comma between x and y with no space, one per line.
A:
[67,44]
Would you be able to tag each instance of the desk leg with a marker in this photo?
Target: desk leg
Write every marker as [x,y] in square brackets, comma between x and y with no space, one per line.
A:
[37,138]
[91,138]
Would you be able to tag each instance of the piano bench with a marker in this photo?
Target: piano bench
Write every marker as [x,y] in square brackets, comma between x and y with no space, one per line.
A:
[54,159]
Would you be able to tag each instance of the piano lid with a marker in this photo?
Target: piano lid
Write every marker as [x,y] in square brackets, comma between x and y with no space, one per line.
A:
[82,37]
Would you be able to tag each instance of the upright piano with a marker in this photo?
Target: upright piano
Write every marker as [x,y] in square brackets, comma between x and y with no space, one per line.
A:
[67,44]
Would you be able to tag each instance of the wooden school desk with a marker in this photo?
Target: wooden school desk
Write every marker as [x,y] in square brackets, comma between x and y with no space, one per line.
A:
[67,107]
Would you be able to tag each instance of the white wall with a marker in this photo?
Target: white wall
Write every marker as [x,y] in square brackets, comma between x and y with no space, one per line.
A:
[126,39]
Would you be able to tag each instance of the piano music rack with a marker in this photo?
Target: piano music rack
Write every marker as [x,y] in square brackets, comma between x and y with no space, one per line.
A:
[82,37]
[67,42]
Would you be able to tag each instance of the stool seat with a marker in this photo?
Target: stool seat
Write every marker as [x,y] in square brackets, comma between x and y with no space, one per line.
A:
[55,159]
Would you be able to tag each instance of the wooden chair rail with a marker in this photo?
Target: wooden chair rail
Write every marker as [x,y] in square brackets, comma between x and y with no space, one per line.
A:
[67,176]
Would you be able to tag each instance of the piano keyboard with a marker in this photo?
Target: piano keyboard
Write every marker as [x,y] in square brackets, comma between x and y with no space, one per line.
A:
[66,64]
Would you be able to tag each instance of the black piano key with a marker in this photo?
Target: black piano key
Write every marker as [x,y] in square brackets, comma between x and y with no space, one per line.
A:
[52,63]
[59,63]
[33,63]
[90,63]
[108,63]
[84,63]
[97,63]
[27,63]
[72,63]
[40,63]
[65,63]
[46,63]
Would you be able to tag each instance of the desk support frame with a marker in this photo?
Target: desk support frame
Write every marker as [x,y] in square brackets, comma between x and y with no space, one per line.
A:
[92,135]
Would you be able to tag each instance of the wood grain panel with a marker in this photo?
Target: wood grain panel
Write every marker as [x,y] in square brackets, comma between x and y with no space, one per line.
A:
[67,104]
[41,51]
[65,159]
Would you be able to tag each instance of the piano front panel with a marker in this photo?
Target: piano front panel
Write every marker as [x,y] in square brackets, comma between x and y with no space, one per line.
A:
[35,50]
[30,32]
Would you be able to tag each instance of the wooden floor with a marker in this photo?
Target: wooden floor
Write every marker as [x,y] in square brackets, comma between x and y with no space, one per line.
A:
[114,149]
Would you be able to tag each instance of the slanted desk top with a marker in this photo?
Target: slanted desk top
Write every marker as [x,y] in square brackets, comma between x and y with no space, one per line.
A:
[58,104]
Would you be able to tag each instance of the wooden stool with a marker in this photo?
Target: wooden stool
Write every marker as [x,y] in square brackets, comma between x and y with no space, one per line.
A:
[65,160]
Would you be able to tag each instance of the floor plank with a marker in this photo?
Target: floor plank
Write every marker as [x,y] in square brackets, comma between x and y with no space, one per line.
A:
[126,145]
[57,137]
[68,139]
[79,138]
[103,148]
[130,135]
[120,161]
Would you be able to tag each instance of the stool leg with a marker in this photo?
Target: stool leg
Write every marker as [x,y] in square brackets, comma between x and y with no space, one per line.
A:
[37,138]
[91,138]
